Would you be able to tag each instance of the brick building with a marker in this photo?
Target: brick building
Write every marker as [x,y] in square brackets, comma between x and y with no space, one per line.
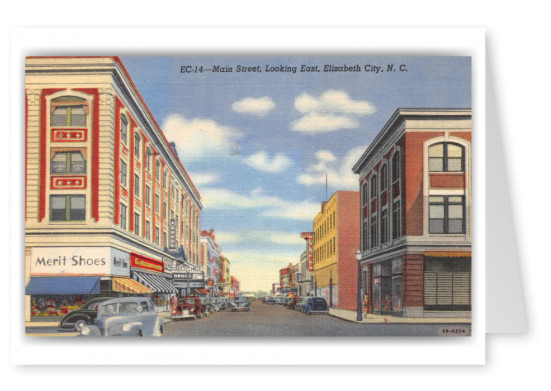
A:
[109,208]
[415,182]
[336,240]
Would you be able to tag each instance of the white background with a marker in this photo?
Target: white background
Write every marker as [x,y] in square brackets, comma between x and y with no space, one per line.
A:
[518,55]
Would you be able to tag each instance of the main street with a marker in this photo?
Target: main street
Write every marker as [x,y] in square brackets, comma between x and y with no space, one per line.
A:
[272,320]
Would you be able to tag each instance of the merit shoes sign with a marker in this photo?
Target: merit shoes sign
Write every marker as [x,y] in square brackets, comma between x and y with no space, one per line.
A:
[79,261]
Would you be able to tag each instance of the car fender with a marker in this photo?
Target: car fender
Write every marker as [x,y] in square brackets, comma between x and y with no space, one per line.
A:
[131,328]
[71,318]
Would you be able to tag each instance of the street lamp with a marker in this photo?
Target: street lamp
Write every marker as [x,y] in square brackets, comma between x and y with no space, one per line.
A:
[358,258]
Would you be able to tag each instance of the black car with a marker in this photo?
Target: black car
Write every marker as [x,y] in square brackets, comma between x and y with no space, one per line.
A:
[83,316]
[315,305]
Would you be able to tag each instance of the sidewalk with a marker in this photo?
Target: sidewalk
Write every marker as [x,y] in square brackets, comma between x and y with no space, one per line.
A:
[371,318]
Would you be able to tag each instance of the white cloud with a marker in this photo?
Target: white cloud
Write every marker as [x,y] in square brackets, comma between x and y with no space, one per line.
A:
[199,137]
[204,178]
[262,162]
[339,174]
[259,107]
[273,237]
[220,199]
[325,156]
[333,110]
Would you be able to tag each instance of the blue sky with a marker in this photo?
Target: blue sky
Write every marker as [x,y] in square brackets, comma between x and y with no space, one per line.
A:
[258,145]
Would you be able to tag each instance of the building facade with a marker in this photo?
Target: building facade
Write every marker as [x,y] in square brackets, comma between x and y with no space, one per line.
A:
[305,278]
[109,208]
[336,240]
[415,182]
[210,252]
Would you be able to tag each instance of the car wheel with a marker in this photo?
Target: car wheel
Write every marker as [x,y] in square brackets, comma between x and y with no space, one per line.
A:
[139,333]
[79,324]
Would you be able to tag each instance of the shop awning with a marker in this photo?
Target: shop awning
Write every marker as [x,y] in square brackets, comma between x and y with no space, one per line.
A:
[128,285]
[202,291]
[156,283]
[447,254]
[63,286]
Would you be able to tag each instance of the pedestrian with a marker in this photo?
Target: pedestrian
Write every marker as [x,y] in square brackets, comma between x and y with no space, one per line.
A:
[365,304]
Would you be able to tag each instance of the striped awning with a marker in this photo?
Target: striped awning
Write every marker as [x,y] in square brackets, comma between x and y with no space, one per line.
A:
[447,254]
[128,285]
[158,284]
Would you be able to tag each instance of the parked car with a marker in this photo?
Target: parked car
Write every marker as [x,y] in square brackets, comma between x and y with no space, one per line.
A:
[221,302]
[315,305]
[82,316]
[125,316]
[208,304]
[188,307]
[269,300]
[301,303]
[279,300]
[241,303]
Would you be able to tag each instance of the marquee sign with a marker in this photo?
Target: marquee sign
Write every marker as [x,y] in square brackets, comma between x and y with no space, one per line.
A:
[309,237]
[141,262]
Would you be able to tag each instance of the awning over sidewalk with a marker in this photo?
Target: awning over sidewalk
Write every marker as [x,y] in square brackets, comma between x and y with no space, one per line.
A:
[156,283]
[128,285]
[202,291]
[63,286]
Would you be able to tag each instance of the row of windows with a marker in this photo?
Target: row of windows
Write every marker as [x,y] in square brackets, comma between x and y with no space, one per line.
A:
[326,227]
[326,250]
[382,183]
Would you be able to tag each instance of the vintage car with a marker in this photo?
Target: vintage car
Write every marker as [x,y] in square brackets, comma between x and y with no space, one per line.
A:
[315,305]
[300,305]
[82,316]
[125,316]
[221,303]
[209,306]
[188,307]
[241,303]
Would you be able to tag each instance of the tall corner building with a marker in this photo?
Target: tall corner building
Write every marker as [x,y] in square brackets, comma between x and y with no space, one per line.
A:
[336,240]
[416,192]
[109,208]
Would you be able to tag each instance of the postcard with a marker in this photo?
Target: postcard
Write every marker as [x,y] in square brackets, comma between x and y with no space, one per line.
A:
[265,196]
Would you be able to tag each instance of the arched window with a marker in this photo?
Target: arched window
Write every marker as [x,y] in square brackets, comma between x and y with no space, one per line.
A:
[395,167]
[446,157]
[124,129]
[374,186]
[157,169]
[384,178]
[148,159]
[68,111]
[365,195]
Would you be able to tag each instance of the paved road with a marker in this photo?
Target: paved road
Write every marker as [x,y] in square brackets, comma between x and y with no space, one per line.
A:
[274,320]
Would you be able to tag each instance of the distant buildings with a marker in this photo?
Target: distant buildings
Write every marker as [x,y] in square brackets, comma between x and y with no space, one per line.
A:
[415,181]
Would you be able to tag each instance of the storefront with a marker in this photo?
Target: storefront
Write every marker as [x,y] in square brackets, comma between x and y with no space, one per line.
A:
[151,273]
[447,281]
[64,278]
[189,282]
[386,287]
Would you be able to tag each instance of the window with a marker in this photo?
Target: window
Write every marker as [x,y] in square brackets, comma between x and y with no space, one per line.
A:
[157,203]
[395,167]
[374,187]
[136,223]
[72,162]
[164,210]
[147,195]
[365,195]
[68,111]
[157,169]
[164,179]
[447,284]
[124,129]
[384,226]
[446,157]
[137,145]
[147,230]
[148,160]
[123,216]
[157,236]
[365,235]
[384,178]
[123,173]
[396,219]
[136,185]
[373,231]
[446,214]
[164,239]
[67,207]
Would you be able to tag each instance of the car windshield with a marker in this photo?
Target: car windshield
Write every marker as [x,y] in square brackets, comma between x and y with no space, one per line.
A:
[108,310]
